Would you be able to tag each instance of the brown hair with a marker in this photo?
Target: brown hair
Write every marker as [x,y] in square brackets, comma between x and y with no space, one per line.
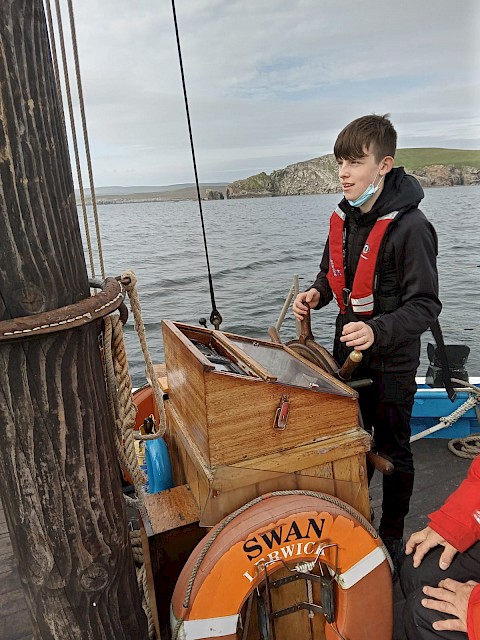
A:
[374,134]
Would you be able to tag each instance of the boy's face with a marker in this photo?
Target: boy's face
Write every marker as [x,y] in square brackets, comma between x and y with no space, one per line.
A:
[356,175]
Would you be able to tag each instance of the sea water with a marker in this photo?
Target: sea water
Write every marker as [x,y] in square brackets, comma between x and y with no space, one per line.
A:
[255,247]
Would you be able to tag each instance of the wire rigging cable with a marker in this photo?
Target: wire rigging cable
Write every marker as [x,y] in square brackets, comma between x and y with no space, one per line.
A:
[215,317]
[66,79]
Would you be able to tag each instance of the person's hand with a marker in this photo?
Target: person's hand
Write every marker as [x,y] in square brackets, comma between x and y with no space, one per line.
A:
[449,597]
[304,301]
[426,539]
[358,335]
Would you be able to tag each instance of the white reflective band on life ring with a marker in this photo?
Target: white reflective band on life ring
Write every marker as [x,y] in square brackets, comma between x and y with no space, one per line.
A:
[207,627]
[367,564]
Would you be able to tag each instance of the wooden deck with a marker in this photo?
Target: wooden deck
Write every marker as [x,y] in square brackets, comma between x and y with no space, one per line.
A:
[439,472]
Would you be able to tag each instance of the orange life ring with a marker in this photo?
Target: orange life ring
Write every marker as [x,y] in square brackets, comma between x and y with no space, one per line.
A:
[292,527]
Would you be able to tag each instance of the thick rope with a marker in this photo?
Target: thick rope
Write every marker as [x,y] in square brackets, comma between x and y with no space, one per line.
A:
[123,410]
[468,446]
[222,525]
[118,377]
[136,544]
[447,421]
[121,405]
[129,280]
[469,403]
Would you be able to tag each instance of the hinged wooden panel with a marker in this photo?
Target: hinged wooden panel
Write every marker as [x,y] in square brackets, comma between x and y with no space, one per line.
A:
[241,412]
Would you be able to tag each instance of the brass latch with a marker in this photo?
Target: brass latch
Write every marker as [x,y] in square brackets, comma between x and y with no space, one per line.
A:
[281,414]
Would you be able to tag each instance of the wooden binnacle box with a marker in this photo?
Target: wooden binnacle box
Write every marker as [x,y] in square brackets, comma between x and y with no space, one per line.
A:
[234,394]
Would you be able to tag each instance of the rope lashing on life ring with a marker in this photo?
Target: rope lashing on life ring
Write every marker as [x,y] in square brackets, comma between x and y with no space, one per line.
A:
[278,528]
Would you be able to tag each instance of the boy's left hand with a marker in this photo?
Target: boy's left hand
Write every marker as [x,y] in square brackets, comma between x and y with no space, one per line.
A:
[358,335]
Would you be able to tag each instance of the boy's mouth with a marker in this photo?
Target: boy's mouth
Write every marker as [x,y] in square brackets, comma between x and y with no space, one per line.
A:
[347,185]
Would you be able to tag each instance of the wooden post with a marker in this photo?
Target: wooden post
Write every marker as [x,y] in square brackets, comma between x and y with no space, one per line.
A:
[59,477]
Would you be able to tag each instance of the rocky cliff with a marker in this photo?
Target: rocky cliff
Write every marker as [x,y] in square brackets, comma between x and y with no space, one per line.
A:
[320,175]
[446,175]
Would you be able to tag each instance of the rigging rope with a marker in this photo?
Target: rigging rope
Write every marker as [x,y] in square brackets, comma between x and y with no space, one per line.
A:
[68,93]
[85,136]
[66,79]
[215,317]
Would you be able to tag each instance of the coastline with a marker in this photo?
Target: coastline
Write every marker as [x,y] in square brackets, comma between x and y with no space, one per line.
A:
[189,193]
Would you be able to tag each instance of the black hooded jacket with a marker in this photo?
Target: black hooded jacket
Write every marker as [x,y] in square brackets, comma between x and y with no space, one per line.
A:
[406,296]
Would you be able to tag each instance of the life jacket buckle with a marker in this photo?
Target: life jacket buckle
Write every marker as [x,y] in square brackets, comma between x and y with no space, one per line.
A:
[346,296]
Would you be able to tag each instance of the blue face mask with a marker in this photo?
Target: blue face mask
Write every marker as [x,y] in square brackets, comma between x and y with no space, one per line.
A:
[367,194]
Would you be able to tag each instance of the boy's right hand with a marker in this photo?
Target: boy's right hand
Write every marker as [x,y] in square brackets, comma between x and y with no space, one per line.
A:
[304,301]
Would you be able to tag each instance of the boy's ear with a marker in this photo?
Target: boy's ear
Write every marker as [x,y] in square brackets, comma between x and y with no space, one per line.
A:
[387,165]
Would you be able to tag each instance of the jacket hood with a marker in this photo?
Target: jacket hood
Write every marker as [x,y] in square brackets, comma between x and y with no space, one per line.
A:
[400,192]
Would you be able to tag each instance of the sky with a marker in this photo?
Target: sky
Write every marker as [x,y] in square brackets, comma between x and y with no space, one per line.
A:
[269,83]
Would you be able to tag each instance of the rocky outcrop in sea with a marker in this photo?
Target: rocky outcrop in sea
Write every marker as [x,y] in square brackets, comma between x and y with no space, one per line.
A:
[320,175]
[213,194]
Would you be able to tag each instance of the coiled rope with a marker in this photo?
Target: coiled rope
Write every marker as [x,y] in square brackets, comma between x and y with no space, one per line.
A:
[468,446]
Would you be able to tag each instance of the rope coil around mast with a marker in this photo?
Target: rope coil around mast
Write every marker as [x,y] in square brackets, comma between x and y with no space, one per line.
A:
[215,317]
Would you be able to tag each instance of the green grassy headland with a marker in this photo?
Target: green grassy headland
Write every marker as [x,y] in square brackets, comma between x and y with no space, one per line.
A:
[417,158]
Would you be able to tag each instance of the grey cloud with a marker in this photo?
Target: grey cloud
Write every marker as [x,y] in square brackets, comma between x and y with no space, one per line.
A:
[269,83]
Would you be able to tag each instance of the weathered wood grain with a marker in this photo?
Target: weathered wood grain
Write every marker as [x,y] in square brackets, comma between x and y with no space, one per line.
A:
[59,478]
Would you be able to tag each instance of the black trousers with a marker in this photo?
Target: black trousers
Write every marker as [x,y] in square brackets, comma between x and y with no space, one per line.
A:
[386,408]
[418,620]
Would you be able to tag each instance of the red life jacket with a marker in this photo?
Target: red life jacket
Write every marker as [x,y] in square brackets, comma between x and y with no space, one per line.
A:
[361,295]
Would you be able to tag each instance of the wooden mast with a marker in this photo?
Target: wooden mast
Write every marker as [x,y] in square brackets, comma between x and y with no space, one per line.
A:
[59,478]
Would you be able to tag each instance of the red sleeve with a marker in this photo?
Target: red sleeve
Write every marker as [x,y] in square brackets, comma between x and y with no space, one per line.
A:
[473,615]
[458,521]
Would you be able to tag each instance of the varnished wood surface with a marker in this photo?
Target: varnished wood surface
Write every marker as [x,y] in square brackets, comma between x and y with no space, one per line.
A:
[226,414]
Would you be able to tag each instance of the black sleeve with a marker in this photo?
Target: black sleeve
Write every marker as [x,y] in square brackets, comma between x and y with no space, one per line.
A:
[416,262]
[321,283]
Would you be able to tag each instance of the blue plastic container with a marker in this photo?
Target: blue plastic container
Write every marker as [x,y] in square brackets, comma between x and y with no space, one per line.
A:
[159,467]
